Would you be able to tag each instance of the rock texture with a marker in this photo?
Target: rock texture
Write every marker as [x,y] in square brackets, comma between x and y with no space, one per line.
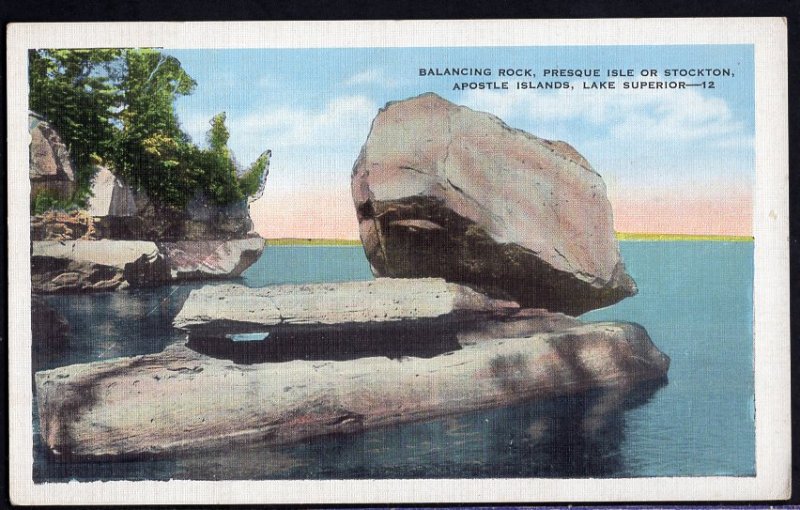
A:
[110,196]
[201,220]
[50,165]
[102,265]
[220,309]
[83,266]
[48,327]
[62,226]
[444,191]
[180,400]
[192,260]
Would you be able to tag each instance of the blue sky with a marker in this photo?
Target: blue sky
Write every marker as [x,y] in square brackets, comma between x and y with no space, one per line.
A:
[313,109]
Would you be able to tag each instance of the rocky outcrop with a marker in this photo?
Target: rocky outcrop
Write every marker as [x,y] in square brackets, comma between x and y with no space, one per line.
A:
[182,400]
[50,167]
[346,321]
[193,260]
[124,237]
[62,226]
[83,266]
[110,196]
[201,220]
[444,191]
[102,265]
[121,212]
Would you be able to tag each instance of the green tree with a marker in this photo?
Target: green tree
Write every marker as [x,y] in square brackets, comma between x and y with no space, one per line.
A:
[218,135]
[150,142]
[250,181]
[118,105]
[219,176]
[75,91]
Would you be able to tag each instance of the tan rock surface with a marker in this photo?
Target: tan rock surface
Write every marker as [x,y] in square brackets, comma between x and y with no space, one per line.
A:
[220,307]
[179,400]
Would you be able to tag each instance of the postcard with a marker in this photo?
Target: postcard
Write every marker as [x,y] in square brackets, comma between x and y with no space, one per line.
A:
[399,261]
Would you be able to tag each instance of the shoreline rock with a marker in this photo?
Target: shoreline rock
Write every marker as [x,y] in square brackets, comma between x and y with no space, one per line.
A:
[50,167]
[62,226]
[180,400]
[444,191]
[105,264]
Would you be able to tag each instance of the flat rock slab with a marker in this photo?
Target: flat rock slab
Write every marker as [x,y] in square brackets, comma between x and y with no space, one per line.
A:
[179,400]
[208,259]
[102,265]
[84,266]
[444,191]
[221,309]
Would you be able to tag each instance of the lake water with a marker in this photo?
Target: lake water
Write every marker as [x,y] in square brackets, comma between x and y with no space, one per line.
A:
[695,300]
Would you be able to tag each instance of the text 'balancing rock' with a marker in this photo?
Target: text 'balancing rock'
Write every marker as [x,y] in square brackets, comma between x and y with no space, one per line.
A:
[444,191]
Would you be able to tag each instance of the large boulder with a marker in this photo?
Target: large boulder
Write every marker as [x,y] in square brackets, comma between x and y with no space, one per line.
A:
[181,400]
[50,167]
[443,191]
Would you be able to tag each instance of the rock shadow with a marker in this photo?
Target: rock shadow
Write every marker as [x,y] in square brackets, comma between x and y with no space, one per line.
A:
[421,339]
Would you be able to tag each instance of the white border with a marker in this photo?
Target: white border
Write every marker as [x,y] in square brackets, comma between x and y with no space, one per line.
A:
[770,224]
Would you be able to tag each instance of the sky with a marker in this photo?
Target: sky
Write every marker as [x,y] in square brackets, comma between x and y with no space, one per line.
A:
[674,161]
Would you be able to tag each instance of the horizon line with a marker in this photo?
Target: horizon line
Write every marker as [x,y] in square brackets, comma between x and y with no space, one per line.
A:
[621,236]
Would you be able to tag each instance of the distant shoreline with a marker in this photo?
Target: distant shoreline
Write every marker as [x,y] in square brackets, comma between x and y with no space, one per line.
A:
[296,241]
[622,236]
[626,236]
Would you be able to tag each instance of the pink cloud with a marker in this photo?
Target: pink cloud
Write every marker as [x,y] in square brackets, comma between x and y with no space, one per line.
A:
[330,214]
[302,213]
[674,214]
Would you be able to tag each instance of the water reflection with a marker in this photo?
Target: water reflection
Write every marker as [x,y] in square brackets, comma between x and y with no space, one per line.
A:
[701,424]
[577,436]
[113,324]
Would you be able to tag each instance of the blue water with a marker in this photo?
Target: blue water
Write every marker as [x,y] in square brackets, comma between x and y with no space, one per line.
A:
[695,300]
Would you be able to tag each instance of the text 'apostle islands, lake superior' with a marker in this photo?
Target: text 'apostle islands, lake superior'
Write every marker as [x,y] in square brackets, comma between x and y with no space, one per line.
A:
[626,78]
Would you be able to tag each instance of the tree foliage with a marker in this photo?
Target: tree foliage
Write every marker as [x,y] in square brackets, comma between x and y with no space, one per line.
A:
[75,91]
[118,105]
[250,181]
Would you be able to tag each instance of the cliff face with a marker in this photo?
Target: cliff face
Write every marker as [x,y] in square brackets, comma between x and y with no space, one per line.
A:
[121,212]
[124,238]
[133,216]
[50,167]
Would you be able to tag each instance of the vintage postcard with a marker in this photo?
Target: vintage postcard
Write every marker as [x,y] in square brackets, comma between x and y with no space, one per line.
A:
[399,262]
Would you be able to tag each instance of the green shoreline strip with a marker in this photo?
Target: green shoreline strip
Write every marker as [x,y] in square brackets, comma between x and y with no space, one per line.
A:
[625,236]
[622,236]
[291,241]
